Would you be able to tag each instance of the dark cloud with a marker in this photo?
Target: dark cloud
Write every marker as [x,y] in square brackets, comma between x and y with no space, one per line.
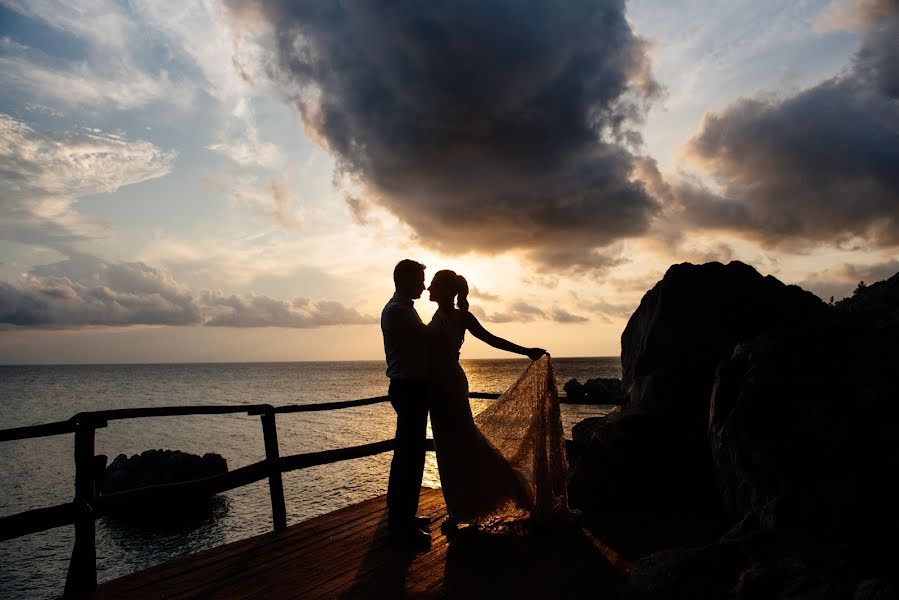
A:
[822,165]
[84,290]
[485,126]
[261,311]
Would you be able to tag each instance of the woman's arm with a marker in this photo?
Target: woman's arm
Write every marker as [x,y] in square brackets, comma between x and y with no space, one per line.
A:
[474,326]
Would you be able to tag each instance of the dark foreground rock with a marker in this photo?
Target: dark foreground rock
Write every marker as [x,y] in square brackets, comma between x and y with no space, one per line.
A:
[154,467]
[692,319]
[804,431]
[757,454]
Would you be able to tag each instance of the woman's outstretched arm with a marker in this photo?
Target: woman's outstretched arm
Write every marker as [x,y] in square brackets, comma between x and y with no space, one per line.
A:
[477,330]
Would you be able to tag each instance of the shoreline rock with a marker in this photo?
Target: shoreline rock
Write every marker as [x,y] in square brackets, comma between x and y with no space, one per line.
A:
[157,467]
[599,390]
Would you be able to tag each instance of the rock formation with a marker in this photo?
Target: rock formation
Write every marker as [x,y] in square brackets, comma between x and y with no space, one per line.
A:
[154,467]
[760,439]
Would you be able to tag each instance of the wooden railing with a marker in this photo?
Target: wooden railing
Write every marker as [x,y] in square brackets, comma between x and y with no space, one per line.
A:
[87,506]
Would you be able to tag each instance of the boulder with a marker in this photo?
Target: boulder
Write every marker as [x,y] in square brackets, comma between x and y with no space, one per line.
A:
[657,447]
[803,429]
[692,319]
[154,467]
[645,485]
[594,391]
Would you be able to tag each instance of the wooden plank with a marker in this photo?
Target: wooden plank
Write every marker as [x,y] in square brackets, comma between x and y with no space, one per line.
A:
[233,551]
[296,539]
[325,555]
[351,558]
[349,553]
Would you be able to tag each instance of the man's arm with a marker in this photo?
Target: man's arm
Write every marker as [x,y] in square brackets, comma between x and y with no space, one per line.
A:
[404,322]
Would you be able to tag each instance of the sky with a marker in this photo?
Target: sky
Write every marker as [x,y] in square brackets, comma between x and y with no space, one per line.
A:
[198,181]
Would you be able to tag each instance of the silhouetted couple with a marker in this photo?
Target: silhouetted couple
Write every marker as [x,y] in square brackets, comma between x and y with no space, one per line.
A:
[506,466]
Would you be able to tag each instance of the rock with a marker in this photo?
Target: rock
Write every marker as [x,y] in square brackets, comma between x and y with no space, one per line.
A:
[803,429]
[876,589]
[657,447]
[594,391]
[881,298]
[645,484]
[748,568]
[154,467]
[692,319]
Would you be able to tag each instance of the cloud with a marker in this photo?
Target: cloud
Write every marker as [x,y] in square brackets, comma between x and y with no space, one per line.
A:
[475,292]
[607,311]
[839,281]
[104,71]
[272,199]
[42,174]
[560,315]
[491,128]
[522,312]
[86,291]
[819,166]
[261,311]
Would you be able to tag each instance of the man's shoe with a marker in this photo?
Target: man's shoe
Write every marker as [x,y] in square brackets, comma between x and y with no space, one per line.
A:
[410,534]
[413,536]
[421,522]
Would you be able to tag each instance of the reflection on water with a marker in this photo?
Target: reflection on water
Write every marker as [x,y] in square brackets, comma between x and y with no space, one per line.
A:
[40,472]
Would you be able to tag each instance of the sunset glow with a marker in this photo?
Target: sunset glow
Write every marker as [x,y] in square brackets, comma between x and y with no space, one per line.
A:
[179,183]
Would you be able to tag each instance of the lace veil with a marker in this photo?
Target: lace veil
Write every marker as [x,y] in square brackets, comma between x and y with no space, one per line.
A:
[525,425]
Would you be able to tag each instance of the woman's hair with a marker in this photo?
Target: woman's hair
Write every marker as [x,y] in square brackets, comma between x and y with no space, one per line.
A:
[454,283]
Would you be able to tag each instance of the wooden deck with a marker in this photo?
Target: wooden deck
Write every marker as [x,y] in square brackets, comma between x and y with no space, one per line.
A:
[348,553]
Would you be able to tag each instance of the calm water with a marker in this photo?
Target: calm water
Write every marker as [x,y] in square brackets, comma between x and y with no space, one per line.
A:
[40,472]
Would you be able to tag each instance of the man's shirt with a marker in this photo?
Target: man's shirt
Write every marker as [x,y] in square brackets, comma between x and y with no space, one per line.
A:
[404,339]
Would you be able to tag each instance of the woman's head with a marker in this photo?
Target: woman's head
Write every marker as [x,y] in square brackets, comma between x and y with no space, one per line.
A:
[446,286]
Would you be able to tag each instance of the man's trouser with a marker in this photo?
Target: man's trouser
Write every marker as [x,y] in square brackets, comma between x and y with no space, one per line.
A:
[409,398]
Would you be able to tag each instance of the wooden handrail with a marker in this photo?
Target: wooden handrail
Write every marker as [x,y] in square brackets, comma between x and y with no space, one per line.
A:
[36,520]
[116,414]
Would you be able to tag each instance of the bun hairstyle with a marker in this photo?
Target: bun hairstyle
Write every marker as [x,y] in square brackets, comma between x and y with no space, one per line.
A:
[462,291]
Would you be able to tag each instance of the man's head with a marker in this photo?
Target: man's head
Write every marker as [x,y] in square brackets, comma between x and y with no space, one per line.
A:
[409,278]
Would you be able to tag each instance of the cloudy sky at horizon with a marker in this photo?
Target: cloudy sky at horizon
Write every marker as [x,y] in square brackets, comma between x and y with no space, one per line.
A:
[233,180]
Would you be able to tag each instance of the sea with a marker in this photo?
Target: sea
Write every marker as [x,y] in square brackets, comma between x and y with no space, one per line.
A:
[40,472]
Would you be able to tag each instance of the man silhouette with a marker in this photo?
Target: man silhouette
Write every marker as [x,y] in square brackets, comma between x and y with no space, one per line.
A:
[406,353]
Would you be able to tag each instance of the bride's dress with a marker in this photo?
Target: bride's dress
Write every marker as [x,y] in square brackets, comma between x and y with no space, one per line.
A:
[509,463]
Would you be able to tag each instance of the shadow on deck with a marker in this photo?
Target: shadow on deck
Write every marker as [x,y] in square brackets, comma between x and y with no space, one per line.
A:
[347,553]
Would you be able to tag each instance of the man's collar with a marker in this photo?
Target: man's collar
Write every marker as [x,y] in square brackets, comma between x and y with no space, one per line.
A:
[401,299]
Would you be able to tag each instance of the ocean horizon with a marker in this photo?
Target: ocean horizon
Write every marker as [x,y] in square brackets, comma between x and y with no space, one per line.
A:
[263,362]
[40,472]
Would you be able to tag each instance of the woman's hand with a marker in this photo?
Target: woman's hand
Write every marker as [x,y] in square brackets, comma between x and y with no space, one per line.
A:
[535,353]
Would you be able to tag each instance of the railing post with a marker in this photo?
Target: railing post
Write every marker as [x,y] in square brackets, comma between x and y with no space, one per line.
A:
[272,457]
[82,575]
